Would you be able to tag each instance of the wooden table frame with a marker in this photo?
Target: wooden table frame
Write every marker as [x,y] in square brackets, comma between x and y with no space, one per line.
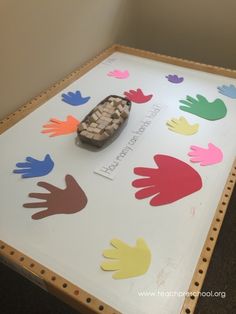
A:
[57,285]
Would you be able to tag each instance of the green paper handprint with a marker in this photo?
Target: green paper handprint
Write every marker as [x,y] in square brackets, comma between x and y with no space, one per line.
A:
[203,108]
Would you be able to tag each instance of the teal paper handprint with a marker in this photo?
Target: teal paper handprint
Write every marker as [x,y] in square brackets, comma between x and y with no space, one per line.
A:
[203,108]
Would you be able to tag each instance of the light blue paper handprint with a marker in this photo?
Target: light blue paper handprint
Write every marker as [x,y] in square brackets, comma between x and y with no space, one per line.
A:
[229,91]
[34,168]
[75,99]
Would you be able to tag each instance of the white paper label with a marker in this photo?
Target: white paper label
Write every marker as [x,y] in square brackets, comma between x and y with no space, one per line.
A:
[110,167]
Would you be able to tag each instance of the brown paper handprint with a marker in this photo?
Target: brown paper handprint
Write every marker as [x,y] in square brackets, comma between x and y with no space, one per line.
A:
[58,201]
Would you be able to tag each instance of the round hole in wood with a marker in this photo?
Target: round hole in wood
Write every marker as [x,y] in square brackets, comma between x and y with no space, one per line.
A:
[187,311]
[88,300]
[217,219]
[64,285]
[2,247]
[32,265]
[42,271]
[12,253]
[233,174]
[22,259]
[204,259]
[192,297]
[211,238]
[53,278]
[229,188]
[231,181]
[215,229]
[101,308]
[221,211]
[200,271]
[208,248]
[226,195]
[196,283]
[76,292]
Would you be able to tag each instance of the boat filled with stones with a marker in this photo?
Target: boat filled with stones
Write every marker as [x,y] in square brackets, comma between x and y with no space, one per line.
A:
[104,121]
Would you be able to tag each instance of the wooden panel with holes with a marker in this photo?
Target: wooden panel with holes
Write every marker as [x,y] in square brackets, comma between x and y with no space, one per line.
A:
[208,248]
[52,282]
[65,290]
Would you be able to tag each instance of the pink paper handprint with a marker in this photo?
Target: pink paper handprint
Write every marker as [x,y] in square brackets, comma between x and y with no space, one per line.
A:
[119,74]
[172,180]
[206,156]
[137,96]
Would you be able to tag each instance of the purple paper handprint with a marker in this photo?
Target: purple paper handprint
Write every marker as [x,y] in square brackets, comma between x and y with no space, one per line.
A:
[206,156]
[119,74]
[174,78]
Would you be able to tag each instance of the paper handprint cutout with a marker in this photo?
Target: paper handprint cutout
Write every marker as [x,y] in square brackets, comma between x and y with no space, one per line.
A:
[58,128]
[206,156]
[229,91]
[34,168]
[203,108]
[58,201]
[182,126]
[126,260]
[137,96]
[119,74]
[75,99]
[172,180]
[174,79]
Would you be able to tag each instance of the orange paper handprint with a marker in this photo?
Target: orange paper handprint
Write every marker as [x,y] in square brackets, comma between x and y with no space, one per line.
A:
[57,127]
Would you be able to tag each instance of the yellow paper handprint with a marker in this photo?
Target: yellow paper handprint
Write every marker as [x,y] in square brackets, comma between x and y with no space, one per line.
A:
[182,126]
[126,260]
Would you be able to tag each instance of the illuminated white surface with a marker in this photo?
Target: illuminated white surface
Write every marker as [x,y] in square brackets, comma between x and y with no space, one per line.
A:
[72,245]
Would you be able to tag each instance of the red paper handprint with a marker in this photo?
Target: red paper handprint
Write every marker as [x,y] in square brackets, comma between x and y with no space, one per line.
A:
[171,181]
[70,200]
[137,96]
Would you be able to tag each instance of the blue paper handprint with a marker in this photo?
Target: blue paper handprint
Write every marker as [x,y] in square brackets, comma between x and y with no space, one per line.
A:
[75,99]
[34,168]
[229,91]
